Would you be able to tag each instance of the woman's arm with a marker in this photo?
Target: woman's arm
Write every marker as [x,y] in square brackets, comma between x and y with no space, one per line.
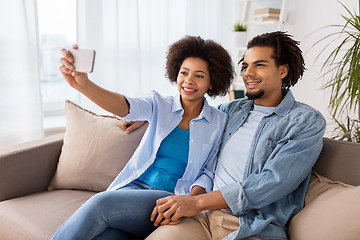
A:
[110,101]
[197,190]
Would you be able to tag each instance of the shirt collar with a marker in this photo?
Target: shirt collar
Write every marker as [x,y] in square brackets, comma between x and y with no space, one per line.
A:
[286,104]
[282,109]
[205,112]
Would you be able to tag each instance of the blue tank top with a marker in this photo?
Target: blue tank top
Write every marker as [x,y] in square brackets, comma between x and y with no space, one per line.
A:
[170,161]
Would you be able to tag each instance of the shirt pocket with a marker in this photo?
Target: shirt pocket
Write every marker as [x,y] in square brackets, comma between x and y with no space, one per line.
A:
[272,143]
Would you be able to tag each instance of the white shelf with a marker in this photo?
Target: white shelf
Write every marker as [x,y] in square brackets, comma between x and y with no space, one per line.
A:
[246,15]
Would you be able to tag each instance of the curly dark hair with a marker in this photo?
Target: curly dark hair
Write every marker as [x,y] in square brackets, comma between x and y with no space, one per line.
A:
[286,51]
[219,62]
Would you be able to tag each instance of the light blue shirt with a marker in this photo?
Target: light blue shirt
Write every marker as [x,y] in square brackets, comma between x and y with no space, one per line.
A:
[231,164]
[284,148]
[163,115]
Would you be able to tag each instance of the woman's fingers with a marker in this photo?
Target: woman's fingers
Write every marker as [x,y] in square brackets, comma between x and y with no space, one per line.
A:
[67,55]
[67,64]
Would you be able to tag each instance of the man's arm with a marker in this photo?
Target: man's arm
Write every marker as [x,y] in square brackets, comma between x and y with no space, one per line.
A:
[176,207]
[128,127]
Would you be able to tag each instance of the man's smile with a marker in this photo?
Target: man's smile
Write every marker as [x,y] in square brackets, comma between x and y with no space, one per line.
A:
[252,83]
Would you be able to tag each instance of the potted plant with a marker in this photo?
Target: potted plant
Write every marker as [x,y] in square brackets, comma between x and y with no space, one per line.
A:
[240,34]
[341,71]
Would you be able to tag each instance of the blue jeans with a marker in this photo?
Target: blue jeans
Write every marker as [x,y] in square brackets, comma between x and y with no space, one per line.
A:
[120,214]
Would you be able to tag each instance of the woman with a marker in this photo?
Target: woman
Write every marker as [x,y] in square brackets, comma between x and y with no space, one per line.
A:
[177,153]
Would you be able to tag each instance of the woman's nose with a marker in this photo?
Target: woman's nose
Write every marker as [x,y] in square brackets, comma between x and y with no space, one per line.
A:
[189,79]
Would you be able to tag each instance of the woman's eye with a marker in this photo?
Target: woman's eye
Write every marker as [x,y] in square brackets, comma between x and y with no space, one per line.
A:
[183,73]
[199,76]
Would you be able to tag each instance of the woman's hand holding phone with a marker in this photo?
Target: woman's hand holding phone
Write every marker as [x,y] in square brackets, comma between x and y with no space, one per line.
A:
[75,63]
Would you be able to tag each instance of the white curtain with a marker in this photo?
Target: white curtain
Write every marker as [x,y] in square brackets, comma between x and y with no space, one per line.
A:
[131,38]
[20,100]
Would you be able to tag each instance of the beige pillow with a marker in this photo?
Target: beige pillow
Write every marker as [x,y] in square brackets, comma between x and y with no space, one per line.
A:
[95,150]
[332,212]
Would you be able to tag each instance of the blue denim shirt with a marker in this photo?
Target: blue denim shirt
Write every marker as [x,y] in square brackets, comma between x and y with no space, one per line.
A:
[163,115]
[284,149]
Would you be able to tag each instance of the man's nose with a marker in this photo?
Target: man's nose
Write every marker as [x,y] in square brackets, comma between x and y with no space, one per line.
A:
[249,71]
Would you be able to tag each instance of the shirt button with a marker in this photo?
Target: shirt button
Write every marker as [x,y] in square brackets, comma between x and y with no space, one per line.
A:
[260,125]
[248,164]
[229,134]
[242,222]
[192,123]
[253,144]
[192,140]
[190,161]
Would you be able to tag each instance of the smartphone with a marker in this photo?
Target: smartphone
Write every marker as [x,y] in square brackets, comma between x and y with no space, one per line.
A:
[83,60]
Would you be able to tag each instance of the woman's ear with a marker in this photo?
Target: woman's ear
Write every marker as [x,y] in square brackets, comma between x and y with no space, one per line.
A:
[284,70]
[210,86]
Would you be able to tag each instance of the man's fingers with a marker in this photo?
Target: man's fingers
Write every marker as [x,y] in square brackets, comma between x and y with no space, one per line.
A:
[133,126]
[153,214]
[123,124]
[176,222]
[165,222]
[158,219]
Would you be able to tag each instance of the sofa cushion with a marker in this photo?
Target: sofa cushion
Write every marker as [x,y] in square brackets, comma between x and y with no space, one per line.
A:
[95,150]
[332,211]
[38,216]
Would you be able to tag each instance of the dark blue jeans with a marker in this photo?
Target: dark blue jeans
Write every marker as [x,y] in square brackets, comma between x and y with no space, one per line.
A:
[120,214]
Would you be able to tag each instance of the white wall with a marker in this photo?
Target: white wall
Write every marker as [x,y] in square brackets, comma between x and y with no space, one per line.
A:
[305,17]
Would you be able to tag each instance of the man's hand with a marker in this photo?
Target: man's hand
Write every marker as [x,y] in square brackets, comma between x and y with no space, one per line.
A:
[170,210]
[128,127]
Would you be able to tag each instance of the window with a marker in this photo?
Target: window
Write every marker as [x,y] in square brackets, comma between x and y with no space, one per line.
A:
[57,30]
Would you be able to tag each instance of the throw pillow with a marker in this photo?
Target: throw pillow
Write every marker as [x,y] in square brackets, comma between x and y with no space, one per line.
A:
[331,212]
[95,150]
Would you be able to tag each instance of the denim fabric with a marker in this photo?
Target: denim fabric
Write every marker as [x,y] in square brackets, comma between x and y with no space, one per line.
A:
[119,214]
[284,149]
[163,115]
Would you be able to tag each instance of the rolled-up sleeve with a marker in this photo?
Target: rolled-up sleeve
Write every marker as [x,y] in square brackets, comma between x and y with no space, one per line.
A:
[140,109]
[205,179]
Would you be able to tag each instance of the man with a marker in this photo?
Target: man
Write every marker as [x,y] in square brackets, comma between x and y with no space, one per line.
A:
[268,149]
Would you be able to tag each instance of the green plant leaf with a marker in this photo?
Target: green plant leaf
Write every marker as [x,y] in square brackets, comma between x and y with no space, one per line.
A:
[341,71]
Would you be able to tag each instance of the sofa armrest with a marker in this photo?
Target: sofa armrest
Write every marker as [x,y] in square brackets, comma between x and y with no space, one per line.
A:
[28,168]
[339,161]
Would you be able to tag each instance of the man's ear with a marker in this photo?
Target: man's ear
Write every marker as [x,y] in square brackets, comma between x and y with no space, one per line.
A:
[284,70]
